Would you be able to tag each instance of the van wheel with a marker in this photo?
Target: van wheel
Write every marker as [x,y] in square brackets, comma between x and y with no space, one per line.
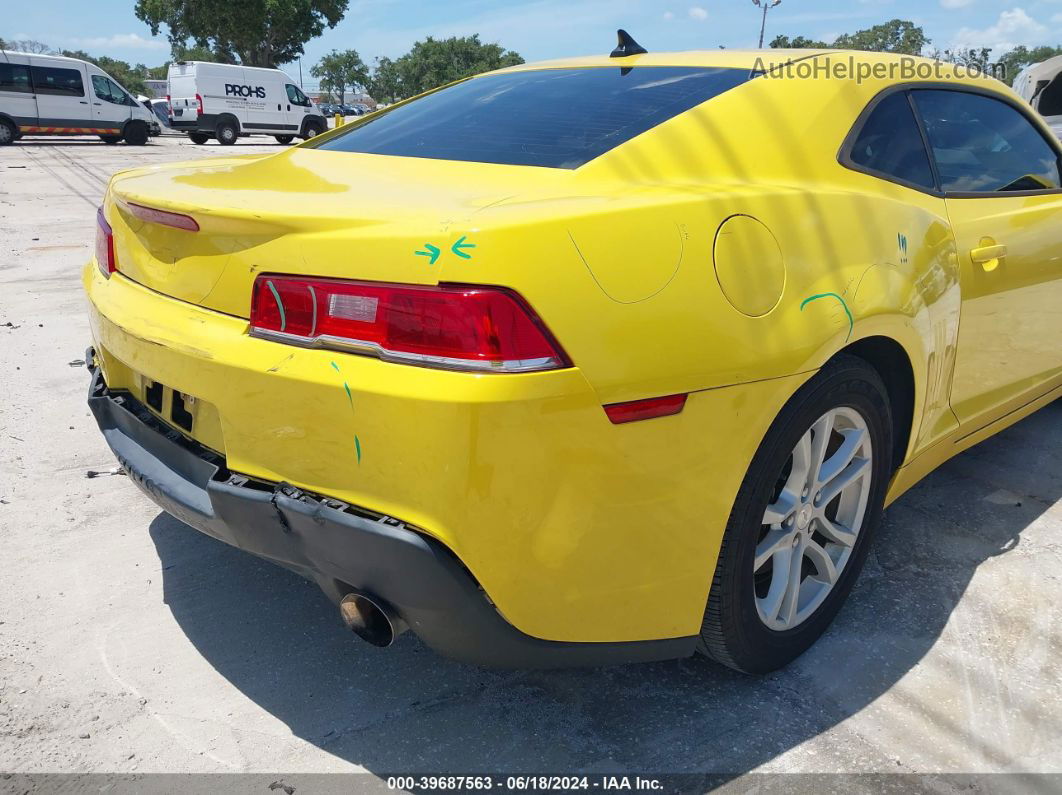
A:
[7,132]
[111,139]
[802,522]
[284,139]
[227,133]
[311,129]
[199,138]
[136,133]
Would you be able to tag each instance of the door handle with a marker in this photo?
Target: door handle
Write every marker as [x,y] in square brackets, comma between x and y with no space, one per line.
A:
[289,107]
[988,256]
[83,101]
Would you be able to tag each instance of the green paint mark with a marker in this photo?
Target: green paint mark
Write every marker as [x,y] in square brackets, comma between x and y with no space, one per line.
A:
[349,396]
[460,244]
[432,251]
[851,321]
[335,367]
[357,446]
[280,304]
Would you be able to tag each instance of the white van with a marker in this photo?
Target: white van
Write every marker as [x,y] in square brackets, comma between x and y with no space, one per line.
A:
[53,95]
[1041,85]
[213,100]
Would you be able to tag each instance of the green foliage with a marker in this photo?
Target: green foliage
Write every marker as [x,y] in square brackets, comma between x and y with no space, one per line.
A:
[339,71]
[435,62]
[798,43]
[250,32]
[896,35]
[130,77]
[383,83]
[1020,57]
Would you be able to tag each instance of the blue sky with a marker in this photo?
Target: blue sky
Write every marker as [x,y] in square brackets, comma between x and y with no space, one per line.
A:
[540,29]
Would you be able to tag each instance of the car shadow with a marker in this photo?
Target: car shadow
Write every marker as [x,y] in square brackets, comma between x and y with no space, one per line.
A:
[278,640]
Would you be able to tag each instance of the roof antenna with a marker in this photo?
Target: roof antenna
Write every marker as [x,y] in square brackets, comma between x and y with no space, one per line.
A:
[626,45]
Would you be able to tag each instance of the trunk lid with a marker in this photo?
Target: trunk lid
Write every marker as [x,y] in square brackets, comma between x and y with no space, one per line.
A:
[304,212]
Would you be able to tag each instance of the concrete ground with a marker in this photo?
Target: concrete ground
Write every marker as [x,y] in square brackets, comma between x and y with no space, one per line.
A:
[129,642]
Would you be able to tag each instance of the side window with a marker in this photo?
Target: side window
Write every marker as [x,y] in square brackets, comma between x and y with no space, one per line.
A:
[296,97]
[889,143]
[15,77]
[109,91]
[64,82]
[983,145]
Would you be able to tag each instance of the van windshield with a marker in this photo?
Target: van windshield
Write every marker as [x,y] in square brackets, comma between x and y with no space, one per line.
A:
[559,118]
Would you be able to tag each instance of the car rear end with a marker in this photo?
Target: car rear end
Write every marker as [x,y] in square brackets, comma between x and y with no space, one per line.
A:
[184,97]
[395,376]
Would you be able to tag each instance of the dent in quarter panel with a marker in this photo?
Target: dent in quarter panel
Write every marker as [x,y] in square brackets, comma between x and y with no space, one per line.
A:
[632,255]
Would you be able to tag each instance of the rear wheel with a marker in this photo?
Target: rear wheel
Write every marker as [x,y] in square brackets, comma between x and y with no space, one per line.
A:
[7,132]
[284,139]
[136,133]
[227,133]
[199,138]
[802,522]
[111,139]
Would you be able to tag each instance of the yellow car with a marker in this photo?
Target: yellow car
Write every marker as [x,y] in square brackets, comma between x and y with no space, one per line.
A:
[597,360]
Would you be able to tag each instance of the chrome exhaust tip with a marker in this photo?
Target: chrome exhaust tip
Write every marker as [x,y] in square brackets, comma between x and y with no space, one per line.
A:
[372,621]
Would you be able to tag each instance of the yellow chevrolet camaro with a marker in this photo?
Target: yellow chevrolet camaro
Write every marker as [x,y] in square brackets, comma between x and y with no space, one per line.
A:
[595,360]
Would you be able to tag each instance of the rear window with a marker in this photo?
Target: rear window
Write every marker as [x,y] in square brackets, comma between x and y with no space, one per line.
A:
[560,118]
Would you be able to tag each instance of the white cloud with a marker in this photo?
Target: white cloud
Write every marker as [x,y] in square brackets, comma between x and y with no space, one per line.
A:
[1013,27]
[668,16]
[698,13]
[1057,19]
[131,41]
[953,4]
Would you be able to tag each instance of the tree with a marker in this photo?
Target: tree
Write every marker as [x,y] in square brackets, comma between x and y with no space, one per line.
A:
[30,45]
[131,77]
[1020,57]
[798,43]
[435,62]
[251,32]
[339,71]
[383,83]
[896,35]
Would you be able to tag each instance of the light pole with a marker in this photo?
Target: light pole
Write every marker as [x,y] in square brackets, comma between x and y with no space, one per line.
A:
[766,5]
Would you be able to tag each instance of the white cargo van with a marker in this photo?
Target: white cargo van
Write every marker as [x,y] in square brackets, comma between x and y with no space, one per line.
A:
[53,95]
[1041,85]
[213,100]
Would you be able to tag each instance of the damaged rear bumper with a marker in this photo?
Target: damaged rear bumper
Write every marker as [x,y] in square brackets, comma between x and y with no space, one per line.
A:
[342,547]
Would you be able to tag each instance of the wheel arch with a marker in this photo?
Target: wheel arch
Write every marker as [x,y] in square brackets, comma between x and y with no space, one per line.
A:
[893,363]
[320,123]
[222,117]
[10,120]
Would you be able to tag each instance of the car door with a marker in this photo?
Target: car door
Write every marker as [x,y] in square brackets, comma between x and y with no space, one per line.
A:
[110,104]
[1000,173]
[62,102]
[297,107]
[16,93]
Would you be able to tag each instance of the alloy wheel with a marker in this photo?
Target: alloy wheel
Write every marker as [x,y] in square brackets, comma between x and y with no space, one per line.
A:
[813,519]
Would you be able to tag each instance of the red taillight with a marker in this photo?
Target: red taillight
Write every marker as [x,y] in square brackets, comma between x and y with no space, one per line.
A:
[645,409]
[164,217]
[199,104]
[485,329]
[104,245]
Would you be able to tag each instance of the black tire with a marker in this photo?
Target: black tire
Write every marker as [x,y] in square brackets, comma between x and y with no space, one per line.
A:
[733,633]
[111,139]
[312,129]
[8,133]
[226,132]
[284,139]
[199,138]
[136,133]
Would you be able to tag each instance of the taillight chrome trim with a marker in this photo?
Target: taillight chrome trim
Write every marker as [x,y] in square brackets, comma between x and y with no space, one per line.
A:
[362,348]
